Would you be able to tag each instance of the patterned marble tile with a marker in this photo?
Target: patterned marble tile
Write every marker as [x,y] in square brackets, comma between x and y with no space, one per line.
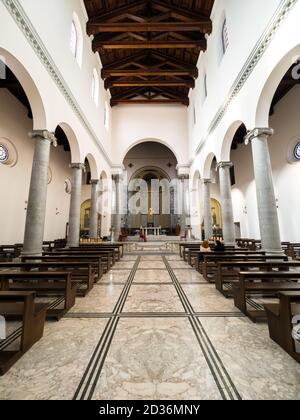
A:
[189,276]
[53,368]
[180,264]
[151,258]
[123,265]
[155,359]
[115,277]
[102,299]
[260,369]
[207,299]
[148,276]
[149,265]
[159,298]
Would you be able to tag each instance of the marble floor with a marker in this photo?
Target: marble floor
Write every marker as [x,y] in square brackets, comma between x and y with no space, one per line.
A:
[153,329]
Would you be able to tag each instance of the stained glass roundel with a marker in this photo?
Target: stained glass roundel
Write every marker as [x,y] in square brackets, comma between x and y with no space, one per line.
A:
[4,155]
[297,151]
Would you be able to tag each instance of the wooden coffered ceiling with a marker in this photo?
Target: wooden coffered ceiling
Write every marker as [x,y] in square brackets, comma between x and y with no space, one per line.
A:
[149,48]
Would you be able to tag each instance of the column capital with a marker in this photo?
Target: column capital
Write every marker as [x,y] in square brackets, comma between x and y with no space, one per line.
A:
[258,132]
[43,134]
[206,181]
[94,181]
[184,177]
[78,166]
[224,165]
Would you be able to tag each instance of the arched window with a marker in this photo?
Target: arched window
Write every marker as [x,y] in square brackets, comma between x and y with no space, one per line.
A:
[225,39]
[76,39]
[95,87]
[205,87]
[106,116]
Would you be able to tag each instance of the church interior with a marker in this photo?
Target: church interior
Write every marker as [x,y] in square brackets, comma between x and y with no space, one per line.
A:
[149,229]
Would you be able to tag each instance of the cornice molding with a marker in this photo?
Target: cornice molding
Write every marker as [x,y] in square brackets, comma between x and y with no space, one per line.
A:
[25,25]
[254,58]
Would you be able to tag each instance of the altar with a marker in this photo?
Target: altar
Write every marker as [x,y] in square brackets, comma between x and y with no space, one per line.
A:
[155,231]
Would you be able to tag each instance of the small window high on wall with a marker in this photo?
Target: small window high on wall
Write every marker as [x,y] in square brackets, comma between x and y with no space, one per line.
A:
[106,116]
[225,39]
[76,39]
[95,87]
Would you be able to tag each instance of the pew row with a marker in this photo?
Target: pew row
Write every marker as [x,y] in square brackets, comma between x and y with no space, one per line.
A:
[20,305]
[265,284]
[228,272]
[45,285]
[280,317]
[210,263]
[83,274]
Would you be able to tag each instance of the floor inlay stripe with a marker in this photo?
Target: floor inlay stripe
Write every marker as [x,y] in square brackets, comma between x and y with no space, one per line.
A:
[223,381]
[92,374]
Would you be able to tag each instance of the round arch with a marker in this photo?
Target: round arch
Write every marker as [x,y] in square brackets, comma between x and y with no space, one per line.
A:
[269,88]
[207,165]
[30,88]
[93,166]
[73,142]
[146,169]
[227,142]
[149,140]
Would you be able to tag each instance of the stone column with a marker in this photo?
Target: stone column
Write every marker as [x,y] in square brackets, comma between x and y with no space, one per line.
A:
[226,201]
[207,209]
[36,208]
[184,204]
[266,201]
[117,215]
[94,210]
[75,205]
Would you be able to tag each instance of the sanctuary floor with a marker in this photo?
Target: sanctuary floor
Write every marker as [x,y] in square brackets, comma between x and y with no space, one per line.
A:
[154,329]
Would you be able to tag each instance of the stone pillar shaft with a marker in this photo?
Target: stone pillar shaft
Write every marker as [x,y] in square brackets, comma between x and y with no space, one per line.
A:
[94,210]
[207,209]
[226,201]
[36,207]
[117,215]
[75,205]
[266,200]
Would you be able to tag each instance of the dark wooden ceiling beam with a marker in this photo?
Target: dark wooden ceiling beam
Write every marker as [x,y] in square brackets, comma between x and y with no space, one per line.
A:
[183,101]
[194,26]
[148,83]
[149,72]
[134,45]
[119,12]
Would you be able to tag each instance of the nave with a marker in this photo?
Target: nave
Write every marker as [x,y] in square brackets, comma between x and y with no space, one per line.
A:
[153,328]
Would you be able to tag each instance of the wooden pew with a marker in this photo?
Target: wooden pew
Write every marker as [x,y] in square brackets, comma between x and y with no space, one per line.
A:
[44,284]
[98,265]
[280,318]
[20,305]
[183,245]
[199,256]
[82,273]
[262,283]
[116,252]
[117,245]
[228,272]
[106,256]
[210,264]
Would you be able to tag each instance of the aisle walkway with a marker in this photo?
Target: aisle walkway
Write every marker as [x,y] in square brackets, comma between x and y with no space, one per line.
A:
[153,329]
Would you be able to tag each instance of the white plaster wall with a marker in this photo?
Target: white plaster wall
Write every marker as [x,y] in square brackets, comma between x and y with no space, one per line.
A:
[15,181]
[165,123]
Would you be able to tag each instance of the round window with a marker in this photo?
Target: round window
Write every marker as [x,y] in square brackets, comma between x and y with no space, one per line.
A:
[4,154]
[297,151]
[68,186]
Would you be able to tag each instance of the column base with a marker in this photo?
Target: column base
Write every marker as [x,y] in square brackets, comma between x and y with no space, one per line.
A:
[271,252]
[32,254]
